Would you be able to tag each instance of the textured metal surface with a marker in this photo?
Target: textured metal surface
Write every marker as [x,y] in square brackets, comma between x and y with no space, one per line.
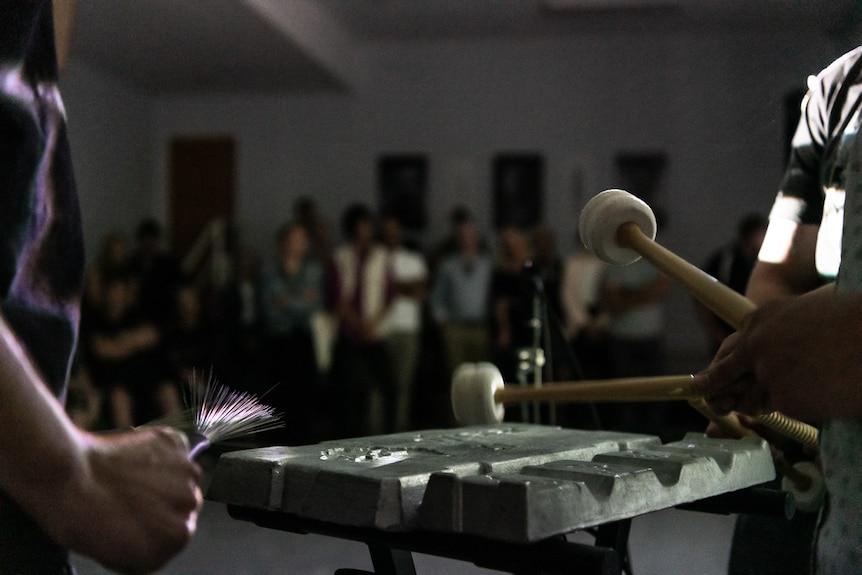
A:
[561,496]
[512,482]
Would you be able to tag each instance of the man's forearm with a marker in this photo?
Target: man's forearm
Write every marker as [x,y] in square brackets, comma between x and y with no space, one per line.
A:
[41,452]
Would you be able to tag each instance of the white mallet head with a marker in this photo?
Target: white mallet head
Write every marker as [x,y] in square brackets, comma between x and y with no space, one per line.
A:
[473,388]
[602,217]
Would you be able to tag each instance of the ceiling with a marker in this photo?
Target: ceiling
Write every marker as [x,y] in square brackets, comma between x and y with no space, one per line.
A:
[188,46]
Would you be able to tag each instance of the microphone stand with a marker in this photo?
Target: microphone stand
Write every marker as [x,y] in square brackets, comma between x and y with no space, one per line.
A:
[531,360]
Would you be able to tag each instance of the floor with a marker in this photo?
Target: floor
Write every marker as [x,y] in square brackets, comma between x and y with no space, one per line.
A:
[670,542]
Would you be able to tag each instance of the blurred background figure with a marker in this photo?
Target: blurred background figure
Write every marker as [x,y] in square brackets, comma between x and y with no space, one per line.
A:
[126,360]
[155,272]
[319,233]
[460,298]
[732,265]
[239,324]
[511,302]
[586,320]
[190,340]
[403,322]
[291,291]
[360,292]
[548,265]
[633,296]
[112,260]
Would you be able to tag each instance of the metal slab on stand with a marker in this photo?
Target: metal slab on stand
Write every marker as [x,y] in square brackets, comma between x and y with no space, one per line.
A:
[380,481]
[511,482]
[561,496]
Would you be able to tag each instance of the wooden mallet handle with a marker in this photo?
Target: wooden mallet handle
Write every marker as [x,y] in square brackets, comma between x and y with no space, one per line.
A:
[727,304]
[663,388]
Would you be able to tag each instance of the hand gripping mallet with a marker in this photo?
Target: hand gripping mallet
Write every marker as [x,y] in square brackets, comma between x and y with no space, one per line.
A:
[620,229]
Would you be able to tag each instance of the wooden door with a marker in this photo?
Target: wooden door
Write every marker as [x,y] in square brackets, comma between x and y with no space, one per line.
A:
[201,189]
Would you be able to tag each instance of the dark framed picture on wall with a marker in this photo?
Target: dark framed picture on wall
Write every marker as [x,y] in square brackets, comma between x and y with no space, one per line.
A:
[402,184]
[518,180]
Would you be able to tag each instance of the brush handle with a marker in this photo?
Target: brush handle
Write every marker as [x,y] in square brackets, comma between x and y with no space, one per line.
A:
[198,443]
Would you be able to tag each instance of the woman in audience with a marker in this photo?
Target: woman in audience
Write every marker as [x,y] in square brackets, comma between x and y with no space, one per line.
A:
[125,358]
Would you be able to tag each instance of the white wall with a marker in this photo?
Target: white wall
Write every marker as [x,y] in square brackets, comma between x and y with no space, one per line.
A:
[711,102]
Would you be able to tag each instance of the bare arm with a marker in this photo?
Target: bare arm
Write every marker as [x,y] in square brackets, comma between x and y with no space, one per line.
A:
[128,500]
[795,274]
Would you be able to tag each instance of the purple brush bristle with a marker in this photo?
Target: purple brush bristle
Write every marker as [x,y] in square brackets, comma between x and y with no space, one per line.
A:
[219,413]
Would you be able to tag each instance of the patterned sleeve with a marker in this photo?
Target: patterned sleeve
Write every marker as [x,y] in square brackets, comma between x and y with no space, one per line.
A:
[824,110]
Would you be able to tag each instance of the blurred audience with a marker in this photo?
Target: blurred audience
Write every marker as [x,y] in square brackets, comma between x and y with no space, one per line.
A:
[291,291]
[586,320]
[189,338]
[360,290]
[511,297]
[363,339]
[112,260]
[633,296]
[238,316]
[403,322]
[155,271]
[123,353]
[316,227]
[460,298]
[548,266]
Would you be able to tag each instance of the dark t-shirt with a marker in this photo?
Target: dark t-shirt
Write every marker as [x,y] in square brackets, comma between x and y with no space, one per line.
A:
[41,247]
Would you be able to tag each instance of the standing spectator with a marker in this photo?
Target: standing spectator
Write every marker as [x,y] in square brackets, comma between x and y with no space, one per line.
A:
[586,326]
[156,273]
[291,291]
[459,299]
[511,302]
[238,317]
[360,292]
[319,234]
[548,265]
[190,341]
[548,268]
[732,266]
[403,323]
[113,260]
[633,295]
[450,244]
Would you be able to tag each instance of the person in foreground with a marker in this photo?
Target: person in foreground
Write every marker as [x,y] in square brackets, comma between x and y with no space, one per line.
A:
[799,352]
[130,499]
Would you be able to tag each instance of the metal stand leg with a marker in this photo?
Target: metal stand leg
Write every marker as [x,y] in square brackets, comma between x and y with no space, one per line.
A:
[616,536]
[388,561]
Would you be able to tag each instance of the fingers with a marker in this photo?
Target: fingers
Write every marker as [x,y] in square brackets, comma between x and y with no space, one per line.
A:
[729,383]
[180,475]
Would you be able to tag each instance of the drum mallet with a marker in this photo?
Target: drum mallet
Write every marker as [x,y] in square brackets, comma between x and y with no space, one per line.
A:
[620,229]
[479,397]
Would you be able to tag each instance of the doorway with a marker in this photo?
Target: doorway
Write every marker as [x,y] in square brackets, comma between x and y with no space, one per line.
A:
[202,176]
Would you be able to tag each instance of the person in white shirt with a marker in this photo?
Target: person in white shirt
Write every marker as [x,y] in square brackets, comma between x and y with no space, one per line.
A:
[403,322]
